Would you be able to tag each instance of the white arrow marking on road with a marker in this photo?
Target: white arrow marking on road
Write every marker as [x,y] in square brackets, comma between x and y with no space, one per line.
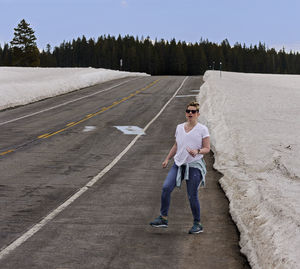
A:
[89,128]
[131,130]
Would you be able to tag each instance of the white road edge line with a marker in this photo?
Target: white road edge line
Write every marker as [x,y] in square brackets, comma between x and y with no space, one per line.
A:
[66,103]
[187,95]
[19,241]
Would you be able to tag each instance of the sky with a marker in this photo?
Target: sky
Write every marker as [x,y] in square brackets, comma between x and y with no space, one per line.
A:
[274,23]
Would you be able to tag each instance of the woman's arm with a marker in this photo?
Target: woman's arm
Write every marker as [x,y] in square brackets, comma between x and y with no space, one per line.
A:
[205,146]
[171,154]
[204,150]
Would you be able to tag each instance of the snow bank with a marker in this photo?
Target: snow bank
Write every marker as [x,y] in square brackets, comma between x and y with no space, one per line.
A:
[20,85]
[254,121]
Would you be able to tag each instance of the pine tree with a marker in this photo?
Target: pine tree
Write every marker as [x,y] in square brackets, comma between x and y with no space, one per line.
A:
[6,57]
[1,56]
[25,51]
[47,59]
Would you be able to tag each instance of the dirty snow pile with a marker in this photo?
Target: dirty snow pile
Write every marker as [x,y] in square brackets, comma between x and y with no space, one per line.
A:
[23,85]
[254,121]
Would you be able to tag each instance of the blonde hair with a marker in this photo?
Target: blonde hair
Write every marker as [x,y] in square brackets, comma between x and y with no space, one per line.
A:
[195,104]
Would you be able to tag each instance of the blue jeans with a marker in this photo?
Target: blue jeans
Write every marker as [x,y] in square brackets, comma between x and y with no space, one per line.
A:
[192,189]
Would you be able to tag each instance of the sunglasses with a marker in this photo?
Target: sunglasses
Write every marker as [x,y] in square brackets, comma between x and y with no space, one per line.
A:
[193,111]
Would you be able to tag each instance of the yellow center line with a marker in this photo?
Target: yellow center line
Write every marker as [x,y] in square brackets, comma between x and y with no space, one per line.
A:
[43,135]
[103,109]
[69,124]
[5,152]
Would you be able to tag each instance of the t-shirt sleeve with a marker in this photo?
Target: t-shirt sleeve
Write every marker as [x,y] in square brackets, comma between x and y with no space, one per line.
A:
[205,132]
[176,132]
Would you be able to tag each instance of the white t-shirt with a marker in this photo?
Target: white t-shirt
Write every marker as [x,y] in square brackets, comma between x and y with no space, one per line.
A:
[192,140]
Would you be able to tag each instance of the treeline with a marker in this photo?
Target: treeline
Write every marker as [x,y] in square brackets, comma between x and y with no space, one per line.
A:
[163,57]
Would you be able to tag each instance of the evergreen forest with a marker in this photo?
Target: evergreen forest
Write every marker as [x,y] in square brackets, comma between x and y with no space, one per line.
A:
[158,57]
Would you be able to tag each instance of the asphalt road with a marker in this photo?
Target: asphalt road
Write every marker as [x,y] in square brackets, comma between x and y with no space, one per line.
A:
[50,150]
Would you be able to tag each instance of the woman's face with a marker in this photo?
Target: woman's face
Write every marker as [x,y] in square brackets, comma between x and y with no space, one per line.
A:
[191,113]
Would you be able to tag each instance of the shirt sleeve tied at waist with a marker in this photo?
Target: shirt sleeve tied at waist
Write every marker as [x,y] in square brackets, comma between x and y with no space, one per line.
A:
[199,164]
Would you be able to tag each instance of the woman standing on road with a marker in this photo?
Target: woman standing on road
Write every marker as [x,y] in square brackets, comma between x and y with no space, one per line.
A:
[192,141]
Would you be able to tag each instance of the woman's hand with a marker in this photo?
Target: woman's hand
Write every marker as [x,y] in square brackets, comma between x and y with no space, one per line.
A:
[192,152]
[170,155]
[165,163]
